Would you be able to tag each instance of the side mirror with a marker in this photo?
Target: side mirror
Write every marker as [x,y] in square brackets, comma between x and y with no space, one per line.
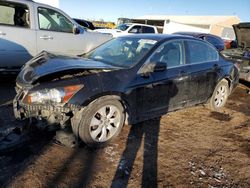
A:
[76,30]
[160,66]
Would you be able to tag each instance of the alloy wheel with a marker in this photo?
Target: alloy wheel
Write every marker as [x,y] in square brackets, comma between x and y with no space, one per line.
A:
[105,123]
[220,96]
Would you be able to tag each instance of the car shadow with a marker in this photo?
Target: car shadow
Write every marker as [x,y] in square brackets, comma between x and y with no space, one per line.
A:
[7,88]
[87,157]
[16,161]
[145,133]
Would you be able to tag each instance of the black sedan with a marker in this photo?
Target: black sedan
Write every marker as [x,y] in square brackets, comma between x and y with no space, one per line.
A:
[128,79]
[213,39]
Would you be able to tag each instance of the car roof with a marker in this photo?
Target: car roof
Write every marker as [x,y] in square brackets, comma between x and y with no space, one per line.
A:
[157,37]
[138,24]
[195,34]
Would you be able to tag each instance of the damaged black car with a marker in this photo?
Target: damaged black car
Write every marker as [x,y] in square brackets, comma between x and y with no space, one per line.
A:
[240,49]
[126,80]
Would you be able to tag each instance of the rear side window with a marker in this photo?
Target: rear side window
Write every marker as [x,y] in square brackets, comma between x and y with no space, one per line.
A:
[14,14]
[148,29]
[200,52]
[52,20]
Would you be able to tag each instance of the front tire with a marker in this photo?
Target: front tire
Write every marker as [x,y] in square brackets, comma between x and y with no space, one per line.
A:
[220,95]
[101,121]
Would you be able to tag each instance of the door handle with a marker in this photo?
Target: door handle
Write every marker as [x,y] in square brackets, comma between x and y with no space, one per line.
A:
[2,33]
[45,37]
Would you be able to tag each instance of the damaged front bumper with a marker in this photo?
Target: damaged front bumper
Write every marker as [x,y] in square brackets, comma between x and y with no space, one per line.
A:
[52,114]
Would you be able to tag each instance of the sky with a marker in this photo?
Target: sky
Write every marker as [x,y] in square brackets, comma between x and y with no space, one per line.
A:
[110,10]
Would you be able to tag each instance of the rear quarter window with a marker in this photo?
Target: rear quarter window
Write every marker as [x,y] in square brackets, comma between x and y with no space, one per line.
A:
[200,52]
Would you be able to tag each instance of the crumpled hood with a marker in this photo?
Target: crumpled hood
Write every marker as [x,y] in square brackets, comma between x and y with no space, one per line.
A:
[242,32]
[47,64]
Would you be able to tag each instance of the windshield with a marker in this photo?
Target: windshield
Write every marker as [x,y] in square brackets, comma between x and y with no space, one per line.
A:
[122,27]
[122,52]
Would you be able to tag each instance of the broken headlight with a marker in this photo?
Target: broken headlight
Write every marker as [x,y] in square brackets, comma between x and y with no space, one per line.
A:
[51,96]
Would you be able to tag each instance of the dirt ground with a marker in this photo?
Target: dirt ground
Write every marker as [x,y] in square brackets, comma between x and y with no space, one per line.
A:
[193,147]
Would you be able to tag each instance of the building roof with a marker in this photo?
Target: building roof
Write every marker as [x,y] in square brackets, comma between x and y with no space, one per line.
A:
[193,20]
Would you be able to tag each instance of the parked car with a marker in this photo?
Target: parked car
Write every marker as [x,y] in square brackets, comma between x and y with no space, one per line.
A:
[85,23]
[240,49]
[213,39]
[128,29]
[27,28]
[128,79]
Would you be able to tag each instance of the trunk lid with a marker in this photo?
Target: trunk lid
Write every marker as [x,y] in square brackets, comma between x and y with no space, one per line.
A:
[242,32]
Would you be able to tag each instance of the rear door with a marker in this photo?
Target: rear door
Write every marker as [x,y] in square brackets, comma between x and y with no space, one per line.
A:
[55,33]
[17,38]
[204,70]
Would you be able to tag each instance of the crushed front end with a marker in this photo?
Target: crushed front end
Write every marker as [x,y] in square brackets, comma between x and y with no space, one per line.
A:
[44,105]
[46,84]
[52,88]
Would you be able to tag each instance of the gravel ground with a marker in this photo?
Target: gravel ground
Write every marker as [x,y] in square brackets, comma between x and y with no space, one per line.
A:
[193,147]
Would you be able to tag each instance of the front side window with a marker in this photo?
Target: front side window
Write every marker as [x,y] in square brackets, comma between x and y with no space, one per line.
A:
[14,14]
[122,52]
[122,27]
[171,53]
[136,29]
[52,20]
[200,52]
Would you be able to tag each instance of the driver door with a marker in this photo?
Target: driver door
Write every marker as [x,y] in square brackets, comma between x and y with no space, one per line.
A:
[55,33]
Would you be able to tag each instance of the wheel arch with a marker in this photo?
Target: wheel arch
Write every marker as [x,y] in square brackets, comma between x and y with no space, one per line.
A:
[228,80]
[121,97]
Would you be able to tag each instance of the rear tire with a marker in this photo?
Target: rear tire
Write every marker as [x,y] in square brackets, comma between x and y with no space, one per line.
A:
[101,121]
[220,95]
